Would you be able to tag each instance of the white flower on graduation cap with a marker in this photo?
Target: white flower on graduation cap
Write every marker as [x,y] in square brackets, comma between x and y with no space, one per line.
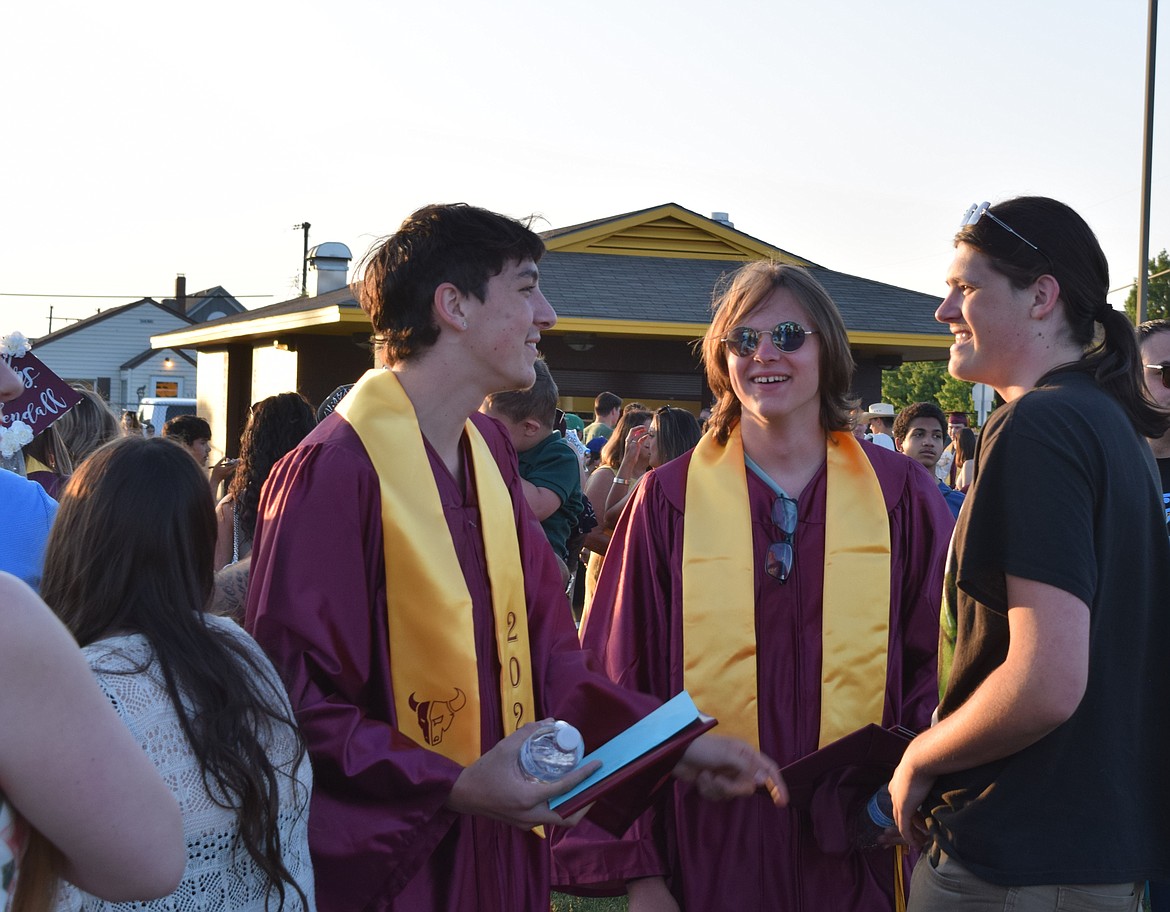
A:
[14,345]
[13,437]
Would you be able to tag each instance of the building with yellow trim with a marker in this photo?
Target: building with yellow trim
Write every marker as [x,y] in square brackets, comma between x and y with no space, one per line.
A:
[632,294]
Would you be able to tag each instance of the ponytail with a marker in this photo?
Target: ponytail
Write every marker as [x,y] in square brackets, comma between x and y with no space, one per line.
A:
[1118,370]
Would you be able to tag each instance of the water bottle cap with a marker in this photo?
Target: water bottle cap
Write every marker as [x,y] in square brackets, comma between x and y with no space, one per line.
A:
[568,738]
[877,813]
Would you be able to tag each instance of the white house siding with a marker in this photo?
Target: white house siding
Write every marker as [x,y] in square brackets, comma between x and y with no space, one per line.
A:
[98,350]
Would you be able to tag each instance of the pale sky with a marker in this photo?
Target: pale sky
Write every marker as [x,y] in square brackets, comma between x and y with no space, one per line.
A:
[146,139]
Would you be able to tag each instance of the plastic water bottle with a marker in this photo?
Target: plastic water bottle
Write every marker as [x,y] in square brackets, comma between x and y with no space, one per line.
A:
[874,819]
[574,441]
[551,751]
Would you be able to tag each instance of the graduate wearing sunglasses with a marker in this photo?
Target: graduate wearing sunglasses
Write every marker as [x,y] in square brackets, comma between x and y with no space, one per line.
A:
[789,577]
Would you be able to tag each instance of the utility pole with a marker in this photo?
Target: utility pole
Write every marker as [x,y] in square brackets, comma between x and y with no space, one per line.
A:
[1143,289]
[304,226]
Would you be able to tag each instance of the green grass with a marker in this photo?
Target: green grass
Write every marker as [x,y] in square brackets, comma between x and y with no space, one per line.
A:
[562,902]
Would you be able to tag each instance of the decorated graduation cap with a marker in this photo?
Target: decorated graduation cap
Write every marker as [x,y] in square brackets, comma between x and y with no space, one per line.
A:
[46,396]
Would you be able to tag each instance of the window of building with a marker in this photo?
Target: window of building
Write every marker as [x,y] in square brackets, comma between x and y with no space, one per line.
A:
[166,386]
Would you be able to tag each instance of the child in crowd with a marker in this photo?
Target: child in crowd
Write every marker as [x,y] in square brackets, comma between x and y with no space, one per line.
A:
[549,467]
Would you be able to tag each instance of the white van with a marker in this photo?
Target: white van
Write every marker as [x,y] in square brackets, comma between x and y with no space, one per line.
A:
[158,410]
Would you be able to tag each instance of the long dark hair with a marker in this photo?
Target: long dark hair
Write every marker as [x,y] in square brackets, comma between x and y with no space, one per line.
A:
[1066,248]
[276,425]
[964,446]
[677,431]
[132,549]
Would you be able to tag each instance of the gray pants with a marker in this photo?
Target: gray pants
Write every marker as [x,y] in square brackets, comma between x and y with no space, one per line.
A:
[951,886]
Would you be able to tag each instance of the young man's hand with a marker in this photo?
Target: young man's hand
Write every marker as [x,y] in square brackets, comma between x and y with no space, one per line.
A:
[493,786]
[908,790]
[723,768]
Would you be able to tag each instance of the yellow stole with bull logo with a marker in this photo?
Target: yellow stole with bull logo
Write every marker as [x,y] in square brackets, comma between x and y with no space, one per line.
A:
[433,664]
[718,588]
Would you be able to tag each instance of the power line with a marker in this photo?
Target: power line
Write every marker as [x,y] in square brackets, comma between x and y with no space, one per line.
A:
[20,294]
[1152,275]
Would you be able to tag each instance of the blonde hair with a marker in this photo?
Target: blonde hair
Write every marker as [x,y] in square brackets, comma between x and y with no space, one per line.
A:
[38,876]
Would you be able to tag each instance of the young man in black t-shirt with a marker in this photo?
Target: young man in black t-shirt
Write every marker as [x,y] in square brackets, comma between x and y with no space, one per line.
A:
[1042,785]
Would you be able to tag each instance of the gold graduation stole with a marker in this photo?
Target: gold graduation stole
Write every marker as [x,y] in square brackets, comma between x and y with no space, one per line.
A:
[718,588]
[32,464]
[433,664]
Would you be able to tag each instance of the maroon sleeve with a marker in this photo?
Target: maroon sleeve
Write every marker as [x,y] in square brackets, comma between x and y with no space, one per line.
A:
[628,626]
[635,595]
[920,532]
[316,603]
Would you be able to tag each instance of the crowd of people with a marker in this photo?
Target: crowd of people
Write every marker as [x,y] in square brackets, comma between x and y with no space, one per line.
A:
[313,693]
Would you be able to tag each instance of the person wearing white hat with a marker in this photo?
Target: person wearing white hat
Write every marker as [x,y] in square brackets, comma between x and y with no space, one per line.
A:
[881,424]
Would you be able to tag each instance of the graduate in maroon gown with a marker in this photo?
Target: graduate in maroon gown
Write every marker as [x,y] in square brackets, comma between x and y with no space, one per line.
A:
[410,601]
[789,577]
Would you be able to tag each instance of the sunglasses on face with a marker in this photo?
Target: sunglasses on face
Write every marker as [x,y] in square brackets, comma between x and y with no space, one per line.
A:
[1161,369]
[787,337]
[782,554]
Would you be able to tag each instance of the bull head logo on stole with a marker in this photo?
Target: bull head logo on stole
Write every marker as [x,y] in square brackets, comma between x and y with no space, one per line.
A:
[436,716]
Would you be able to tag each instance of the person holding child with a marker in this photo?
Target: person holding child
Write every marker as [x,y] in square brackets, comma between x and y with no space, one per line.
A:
[550,471]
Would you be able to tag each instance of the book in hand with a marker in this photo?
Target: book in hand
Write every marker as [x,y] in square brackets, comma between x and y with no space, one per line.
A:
[635,764]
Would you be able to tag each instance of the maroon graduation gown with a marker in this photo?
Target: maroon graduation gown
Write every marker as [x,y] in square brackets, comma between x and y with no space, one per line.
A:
[379,834]
[747,854]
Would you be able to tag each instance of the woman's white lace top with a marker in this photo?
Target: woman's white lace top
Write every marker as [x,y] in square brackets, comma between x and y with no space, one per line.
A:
[220,875]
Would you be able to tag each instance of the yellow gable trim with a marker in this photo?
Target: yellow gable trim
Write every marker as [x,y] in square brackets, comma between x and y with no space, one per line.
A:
[668,231]
[662,330]
[645,328]
[923,340]
[342,318]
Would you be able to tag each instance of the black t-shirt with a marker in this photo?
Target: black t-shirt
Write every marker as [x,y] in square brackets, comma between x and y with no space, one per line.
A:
[1064,494]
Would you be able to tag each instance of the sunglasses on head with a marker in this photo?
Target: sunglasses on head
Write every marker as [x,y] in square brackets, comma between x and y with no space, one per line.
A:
[787,337]
[1161,369]
[978,210]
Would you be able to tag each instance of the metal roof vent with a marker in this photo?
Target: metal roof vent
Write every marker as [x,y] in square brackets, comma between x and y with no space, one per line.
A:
[722,218]
[331,263]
